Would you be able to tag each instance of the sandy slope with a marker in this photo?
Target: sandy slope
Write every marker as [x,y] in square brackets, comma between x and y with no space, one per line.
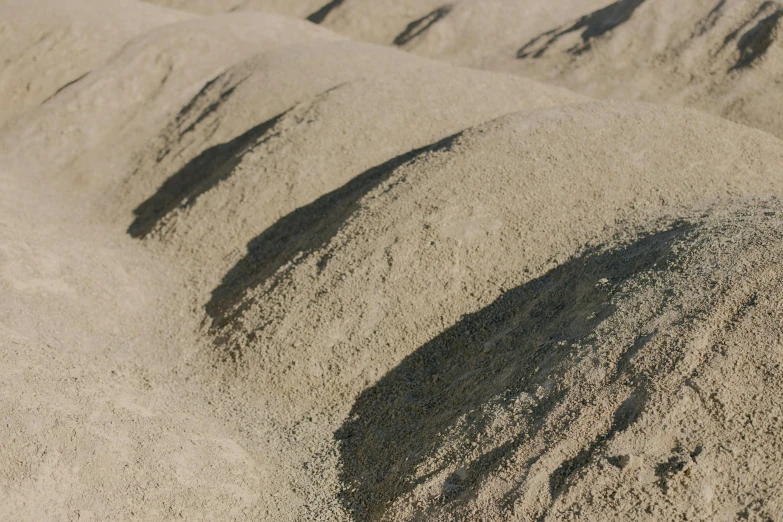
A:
[650,392]
[472,28]
[47,45]
[328,114]
[97,424]
[253,270]
[89,134]
[722,56]
[381,266]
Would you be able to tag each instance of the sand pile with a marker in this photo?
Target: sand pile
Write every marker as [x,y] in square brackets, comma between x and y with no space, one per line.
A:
[463,31]
[47,45]
[372,272]
[97,424]
[636,382]
[293,124]
[254,270]
[722,57]
[89,134]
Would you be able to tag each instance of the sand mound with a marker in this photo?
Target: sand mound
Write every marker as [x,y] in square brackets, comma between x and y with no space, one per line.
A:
[463,31]
[47,45]
[97,425]
[87,135]
[459,217]
[636,382]
[289,126]
[365,275]
[253,270]
[723,57]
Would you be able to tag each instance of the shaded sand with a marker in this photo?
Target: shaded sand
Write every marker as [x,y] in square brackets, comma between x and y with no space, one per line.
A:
[721,56]
[90,133]
[253,270]
[634,399]
[330,113]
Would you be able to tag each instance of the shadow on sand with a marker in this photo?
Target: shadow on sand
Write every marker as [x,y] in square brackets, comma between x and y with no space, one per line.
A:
[594,25]
[523,339]
[420,26]
[303,231]
[197,177]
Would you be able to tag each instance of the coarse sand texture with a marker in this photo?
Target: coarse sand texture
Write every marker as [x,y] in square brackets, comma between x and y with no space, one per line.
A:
[391,261]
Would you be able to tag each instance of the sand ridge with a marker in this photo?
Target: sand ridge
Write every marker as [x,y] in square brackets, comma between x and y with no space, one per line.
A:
[722,57]
[255,270]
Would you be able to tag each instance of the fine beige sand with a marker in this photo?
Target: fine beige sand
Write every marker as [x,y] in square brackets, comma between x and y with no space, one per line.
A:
[399,260]
[720,56]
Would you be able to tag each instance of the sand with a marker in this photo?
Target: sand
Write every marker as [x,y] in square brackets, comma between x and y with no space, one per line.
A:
[270,260]
[722,57]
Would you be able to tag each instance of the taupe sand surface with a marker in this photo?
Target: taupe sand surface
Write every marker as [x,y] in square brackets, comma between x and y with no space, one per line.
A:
[256,263]
[721,56]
